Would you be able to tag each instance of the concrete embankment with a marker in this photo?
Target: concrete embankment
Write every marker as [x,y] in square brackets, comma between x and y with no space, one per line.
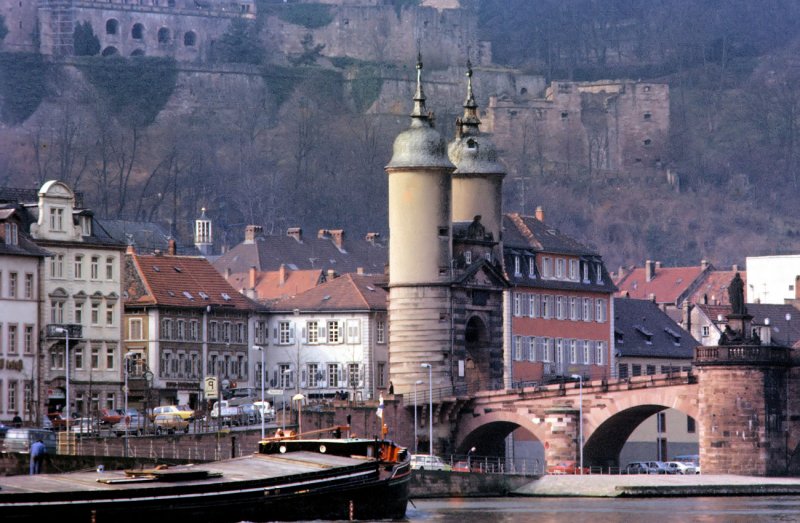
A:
[440,484]
[658,486]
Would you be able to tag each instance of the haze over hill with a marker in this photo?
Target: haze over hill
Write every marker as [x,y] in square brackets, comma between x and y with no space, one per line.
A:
[289,118]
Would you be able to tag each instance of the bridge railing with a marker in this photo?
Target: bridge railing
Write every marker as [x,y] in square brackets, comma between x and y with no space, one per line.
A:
[742,355]
[496,465]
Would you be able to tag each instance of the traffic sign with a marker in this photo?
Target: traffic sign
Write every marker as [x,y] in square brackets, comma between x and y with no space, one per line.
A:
[275,392]
[211,389]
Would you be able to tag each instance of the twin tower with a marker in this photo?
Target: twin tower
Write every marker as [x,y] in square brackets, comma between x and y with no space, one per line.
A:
[446,278]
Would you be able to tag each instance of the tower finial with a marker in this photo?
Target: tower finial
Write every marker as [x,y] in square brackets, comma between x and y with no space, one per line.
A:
[470,117]
[420,111]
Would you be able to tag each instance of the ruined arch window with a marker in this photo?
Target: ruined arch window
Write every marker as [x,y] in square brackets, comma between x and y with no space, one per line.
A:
[137,31]
[112,26]
[189,39]
[138,52]
[110,51]
[564,115]
[163,35]
[647,116]
[523,91]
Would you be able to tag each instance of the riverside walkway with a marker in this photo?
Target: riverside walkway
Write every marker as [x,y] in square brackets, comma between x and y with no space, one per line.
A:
[652,485]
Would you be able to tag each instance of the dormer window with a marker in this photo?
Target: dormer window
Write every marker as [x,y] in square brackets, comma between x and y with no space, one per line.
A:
[56,219]
[517,266]
[573,270]
[547,267]
[531,267]
[12,234]
[468,257]
[86,225]
[586,272]
[599,268]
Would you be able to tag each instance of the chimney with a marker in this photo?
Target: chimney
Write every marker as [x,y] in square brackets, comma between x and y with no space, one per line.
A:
[337,235]
[251,232]
[735,267]
[540,213]
[157,252]
[331,274]
[360,270]
[252,276]
[130,250]
[704,264]
[658,265]
[296,233]
[171,248]
[621,273]
[651,297]
[649,270]
[282,275]
[227,273]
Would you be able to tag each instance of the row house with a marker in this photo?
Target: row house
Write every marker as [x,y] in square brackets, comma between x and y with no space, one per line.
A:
[329,341]
[20,263]
[560,306]
[183,323]
[81,305]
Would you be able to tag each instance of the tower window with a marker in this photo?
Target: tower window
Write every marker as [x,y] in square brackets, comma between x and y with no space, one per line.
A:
[112,26]
[137,32]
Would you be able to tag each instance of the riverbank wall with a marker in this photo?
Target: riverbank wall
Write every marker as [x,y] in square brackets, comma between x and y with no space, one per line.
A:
[445,484]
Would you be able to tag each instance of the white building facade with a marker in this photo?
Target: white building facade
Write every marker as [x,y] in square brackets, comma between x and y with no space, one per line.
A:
[772,279]
[82,286]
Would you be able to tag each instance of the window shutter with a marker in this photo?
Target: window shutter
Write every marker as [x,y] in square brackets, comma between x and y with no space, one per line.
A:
[275,334]
[303,379]
[303,335]
[322,336]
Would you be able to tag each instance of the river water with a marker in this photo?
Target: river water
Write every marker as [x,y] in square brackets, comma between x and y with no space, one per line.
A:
[606,510]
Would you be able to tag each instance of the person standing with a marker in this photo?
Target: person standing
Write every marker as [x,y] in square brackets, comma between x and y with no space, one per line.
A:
[38,452]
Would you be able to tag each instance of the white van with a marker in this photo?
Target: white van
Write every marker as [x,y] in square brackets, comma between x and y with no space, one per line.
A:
[428,462]
[20,440]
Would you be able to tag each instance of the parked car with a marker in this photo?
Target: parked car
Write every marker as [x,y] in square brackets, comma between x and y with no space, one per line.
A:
[646,467]
[265,409]
[248,414]
[57,420]
[132,423]
[690,459]
[85,426]
[679,467]
[566,467]
[182,410]
[428,462]
[170,423]
[21,439]
[111,416]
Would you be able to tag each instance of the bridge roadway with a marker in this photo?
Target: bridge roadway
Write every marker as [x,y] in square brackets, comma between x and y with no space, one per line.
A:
[611,411]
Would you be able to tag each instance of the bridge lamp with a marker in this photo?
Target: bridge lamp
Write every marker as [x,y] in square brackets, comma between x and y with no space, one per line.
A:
[580,410]
[788,319]
[65,332]
[263,379]
[418,382]
[430,406]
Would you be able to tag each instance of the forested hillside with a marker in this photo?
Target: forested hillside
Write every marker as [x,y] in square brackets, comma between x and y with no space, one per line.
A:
[287,141]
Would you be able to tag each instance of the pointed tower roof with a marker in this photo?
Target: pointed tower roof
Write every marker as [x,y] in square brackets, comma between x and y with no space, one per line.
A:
[420,145]
[471,151]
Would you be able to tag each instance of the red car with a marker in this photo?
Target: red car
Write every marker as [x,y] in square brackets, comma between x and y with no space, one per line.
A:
[111,416]
[566,467]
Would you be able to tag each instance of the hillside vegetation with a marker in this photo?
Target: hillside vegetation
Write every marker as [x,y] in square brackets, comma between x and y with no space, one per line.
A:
[289,143]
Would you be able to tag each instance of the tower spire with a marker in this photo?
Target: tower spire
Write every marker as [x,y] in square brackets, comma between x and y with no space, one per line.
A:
[420,111]
[470,118]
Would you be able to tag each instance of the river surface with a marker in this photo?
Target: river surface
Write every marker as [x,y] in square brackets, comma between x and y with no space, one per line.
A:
[606,510]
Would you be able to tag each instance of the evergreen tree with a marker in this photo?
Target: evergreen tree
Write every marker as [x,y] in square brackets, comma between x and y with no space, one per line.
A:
[85,41]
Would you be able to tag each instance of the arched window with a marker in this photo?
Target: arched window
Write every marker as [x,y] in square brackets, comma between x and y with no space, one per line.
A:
[137,31]
[138,52]
[163,35]
[189,39]
[111,26]
[110,51]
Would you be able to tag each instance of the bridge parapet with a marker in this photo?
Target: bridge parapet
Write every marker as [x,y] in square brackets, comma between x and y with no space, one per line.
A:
[742,355]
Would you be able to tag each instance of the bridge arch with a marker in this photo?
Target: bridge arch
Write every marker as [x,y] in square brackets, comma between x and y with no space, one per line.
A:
[488,432]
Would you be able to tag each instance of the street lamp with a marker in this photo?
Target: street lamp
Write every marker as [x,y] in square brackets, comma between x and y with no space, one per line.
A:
[580,400]
[299,399]
[418,382]
[128,355]
[469,458]
[263,379]
[788,319]
[65,332]
[430,406]
[283,396]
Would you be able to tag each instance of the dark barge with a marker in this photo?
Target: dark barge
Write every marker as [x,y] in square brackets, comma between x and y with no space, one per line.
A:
[286,480]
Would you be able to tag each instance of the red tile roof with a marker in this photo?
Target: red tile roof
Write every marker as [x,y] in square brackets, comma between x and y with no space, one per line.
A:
[351,292]
[713,288]
[668,283]
[185,281]
[269,286]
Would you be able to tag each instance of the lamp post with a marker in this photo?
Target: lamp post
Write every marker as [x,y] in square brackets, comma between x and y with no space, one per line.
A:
[788,319]
[263,379]
[127,370]
[418,382]
[65,332]
[580,410]
[469,458]
[430,406]
[283,397]
[299,399]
